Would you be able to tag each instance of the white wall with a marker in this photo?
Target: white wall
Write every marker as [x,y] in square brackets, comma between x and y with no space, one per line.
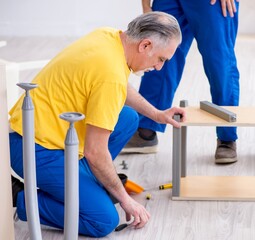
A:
[76,17]
[247,17]
[64,17]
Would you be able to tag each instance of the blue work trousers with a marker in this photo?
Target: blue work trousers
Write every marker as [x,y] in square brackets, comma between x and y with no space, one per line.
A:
[97,213]
[215,36]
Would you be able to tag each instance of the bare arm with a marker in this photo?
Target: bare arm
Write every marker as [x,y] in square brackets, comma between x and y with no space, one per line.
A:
[141,105]
[146,5]
[100,161]
[227,6]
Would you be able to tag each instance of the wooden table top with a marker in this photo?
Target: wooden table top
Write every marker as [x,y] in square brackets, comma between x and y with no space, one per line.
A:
[245,116]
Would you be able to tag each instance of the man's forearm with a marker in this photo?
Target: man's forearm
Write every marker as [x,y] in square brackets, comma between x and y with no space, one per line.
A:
[140,104]
[105,172]
[100,161]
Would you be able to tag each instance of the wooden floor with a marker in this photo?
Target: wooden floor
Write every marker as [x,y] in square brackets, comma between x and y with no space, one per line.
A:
[177,220]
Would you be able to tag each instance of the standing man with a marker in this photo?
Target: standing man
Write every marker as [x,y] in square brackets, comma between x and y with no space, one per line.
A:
[214,26]
[91,77]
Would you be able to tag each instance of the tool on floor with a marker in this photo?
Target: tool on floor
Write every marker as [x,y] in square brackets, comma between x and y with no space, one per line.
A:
[148,196]
[121,227]
[165,186]
[218,111]
[132,187]
[124,164]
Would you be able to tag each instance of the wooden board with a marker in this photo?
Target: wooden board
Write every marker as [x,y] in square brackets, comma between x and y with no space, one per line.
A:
[197,117]
[231,188]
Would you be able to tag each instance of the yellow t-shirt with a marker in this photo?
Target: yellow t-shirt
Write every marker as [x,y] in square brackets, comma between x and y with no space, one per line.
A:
[90,77]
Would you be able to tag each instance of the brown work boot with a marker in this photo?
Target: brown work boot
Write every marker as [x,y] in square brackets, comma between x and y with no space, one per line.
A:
[138,144]
[225,152]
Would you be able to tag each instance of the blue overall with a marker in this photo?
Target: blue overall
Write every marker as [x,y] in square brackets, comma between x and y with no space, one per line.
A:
[215,36]
[97,213]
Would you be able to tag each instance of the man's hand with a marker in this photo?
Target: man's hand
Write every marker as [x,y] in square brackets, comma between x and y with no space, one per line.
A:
[137,211]
[227,5]
[146,5]
[166,116]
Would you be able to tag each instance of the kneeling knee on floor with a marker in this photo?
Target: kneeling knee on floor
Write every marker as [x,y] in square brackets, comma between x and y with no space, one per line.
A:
[101,227]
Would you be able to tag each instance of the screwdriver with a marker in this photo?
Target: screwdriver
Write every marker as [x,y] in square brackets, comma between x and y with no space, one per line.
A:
[121,227]
[165,186]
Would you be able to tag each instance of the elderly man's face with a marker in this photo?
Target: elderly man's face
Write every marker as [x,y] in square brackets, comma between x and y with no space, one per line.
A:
[153,57]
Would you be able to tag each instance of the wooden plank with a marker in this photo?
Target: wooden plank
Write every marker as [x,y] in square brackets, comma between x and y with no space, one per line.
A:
[231,188]
[197,117]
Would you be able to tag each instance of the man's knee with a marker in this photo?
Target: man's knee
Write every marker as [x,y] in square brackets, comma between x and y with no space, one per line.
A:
[131,118]
[101,227]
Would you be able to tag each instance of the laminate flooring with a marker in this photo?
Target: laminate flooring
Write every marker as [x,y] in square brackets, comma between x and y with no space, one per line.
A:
[171,220]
